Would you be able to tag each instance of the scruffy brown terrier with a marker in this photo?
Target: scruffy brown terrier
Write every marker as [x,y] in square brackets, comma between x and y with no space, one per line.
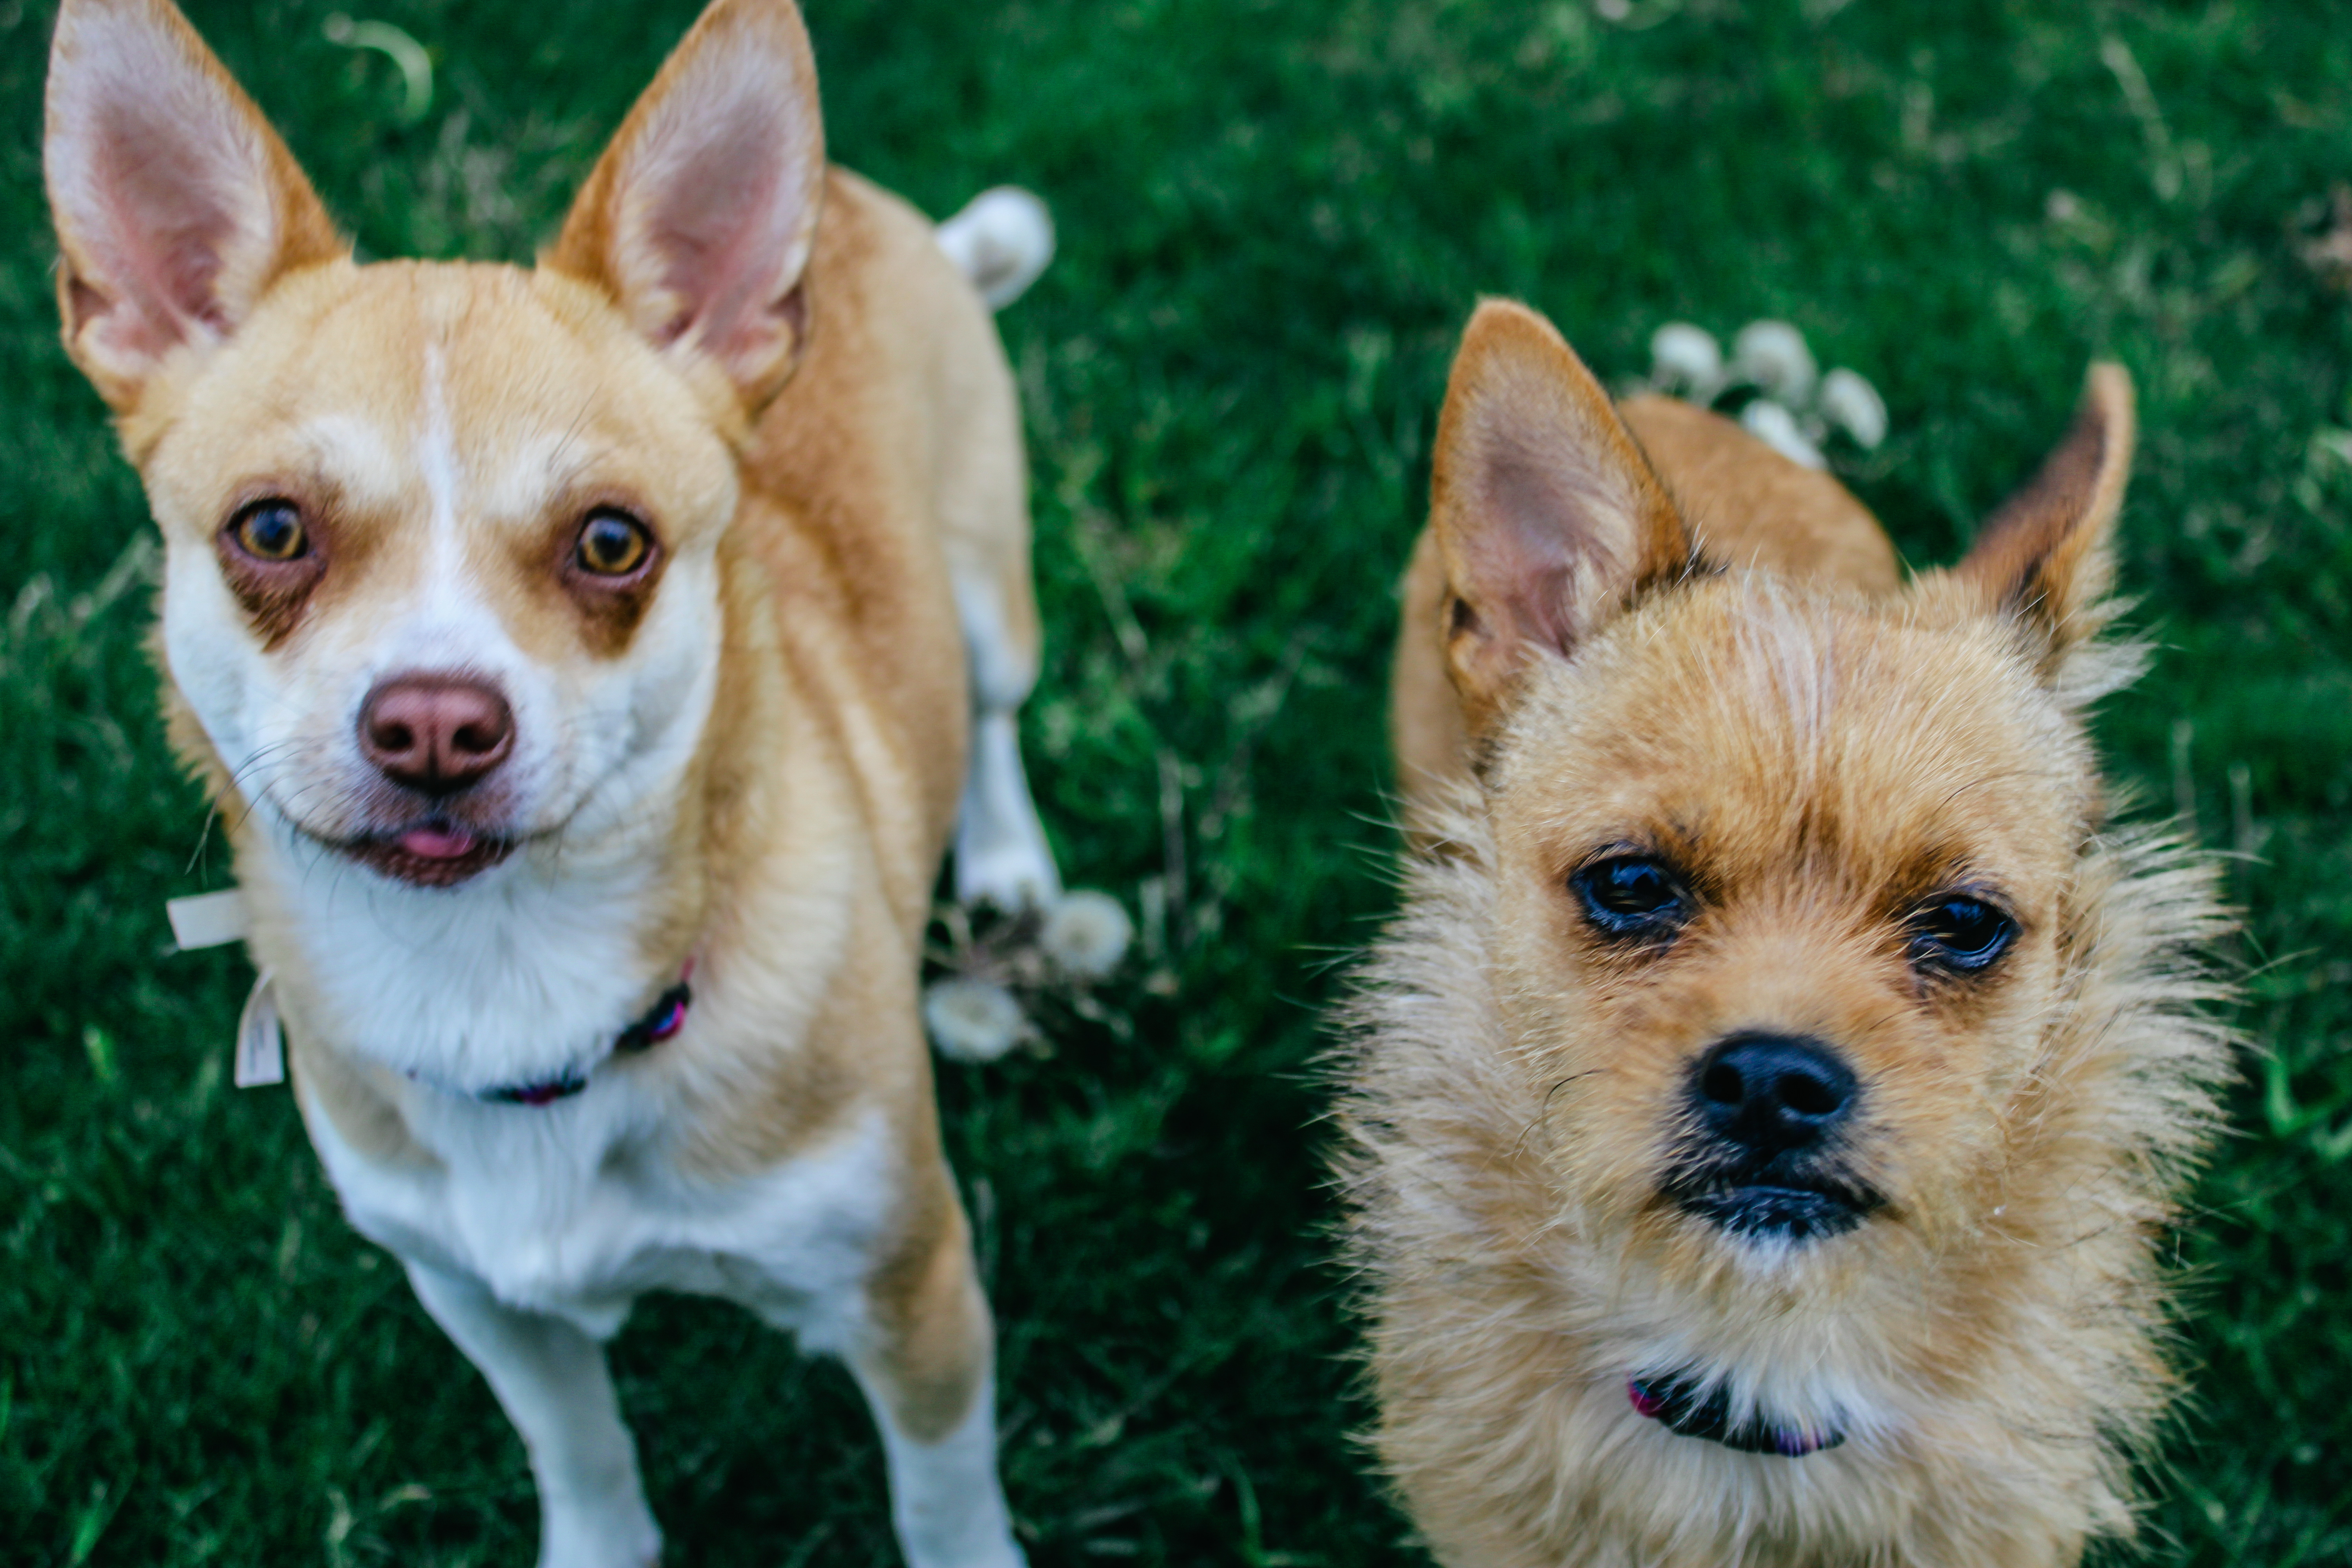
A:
[1763,1117]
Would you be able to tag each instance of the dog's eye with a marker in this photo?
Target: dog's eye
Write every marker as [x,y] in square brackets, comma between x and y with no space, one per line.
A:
[271,530]
[1631,896]
[612,544]
[1962,933]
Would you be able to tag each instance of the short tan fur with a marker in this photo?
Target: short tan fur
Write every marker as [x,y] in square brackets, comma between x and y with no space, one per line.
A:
[730,731]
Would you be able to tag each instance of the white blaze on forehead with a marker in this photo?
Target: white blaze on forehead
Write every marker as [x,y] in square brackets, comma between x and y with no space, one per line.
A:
[436,450]
[451,602]
[515,459]
[449,624]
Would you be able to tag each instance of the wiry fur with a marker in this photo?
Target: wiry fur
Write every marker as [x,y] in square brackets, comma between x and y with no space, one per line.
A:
[1488,1300]
[1989,1341]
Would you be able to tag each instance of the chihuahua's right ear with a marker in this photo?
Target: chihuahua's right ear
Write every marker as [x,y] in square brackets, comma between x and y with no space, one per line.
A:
[1548,515]
[176,205]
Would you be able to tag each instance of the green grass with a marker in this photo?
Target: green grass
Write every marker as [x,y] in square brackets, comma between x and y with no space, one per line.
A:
[1275,219]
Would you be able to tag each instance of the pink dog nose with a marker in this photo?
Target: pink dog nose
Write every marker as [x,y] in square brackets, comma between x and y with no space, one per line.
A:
[437,734]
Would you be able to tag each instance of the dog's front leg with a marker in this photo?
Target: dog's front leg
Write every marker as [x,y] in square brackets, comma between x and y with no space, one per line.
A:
[551,1378]
[927,1363]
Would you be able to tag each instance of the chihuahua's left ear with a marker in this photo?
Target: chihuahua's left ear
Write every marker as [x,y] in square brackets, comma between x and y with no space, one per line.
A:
[698,220]
[176,205]
[2046,559]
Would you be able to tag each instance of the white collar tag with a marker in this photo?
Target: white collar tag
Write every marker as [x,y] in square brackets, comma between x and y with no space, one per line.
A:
[215,920]
[260,1041]
[207,920]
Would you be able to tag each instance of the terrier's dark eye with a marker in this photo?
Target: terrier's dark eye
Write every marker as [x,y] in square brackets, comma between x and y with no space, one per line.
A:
[1960,934]
[612,544]
[270,531]
[1632,895]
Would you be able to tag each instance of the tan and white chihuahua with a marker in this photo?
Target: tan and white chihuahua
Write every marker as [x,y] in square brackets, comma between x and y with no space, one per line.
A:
[587,659]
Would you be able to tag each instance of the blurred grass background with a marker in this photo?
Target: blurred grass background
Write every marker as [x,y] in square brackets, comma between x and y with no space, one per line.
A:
[1274,218]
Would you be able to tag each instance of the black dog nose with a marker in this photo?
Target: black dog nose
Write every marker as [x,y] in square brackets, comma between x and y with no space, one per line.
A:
[1772,1093]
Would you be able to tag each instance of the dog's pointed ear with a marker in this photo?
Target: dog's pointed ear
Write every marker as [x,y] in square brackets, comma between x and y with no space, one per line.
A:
[176,205]
[2046,559]
[1547,514]
[698,220]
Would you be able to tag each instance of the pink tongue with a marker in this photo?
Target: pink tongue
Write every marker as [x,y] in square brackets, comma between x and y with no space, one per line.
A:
[435,844]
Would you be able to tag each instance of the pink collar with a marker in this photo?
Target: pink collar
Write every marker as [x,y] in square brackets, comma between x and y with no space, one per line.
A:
[1685,1405]
[665,1017]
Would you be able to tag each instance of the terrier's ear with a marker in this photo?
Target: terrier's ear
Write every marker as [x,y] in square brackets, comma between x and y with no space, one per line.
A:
[1546,511]
[176,205]
[2046,559]
[699,217]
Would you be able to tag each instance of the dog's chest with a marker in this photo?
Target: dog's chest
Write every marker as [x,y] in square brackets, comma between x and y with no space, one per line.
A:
[573,1209]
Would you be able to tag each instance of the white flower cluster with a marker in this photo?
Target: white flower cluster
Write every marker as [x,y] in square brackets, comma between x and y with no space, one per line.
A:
[1796,408]
[972,1020]
[1079,939]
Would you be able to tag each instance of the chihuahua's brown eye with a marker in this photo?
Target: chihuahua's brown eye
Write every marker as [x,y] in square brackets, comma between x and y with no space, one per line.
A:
[1960,934]
[271,530]
[612,544]
[1631,896]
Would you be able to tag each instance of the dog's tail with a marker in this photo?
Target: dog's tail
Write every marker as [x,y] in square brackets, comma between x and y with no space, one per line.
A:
[1002,241]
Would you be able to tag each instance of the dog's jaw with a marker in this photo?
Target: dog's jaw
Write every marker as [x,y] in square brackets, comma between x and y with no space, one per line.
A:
[518,976]
[519,969]
[1768,1211]
[1780,1204]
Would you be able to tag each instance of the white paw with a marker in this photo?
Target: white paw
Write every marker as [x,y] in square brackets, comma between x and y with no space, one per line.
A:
[1012,877]
[998,1551]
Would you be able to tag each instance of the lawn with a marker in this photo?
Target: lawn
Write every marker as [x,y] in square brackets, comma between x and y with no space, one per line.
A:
[1274,218]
